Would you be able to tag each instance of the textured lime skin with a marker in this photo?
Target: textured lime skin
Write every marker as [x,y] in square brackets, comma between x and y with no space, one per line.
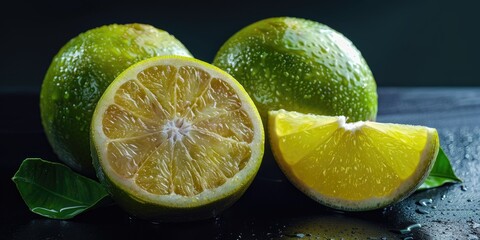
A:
[300,65]
[80,73]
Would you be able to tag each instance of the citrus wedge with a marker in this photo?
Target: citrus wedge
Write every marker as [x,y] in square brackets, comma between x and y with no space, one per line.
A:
[175,139]
[351,166]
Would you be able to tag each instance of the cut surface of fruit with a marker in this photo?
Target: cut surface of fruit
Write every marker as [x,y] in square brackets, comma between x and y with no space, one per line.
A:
[176,133]
[351,166]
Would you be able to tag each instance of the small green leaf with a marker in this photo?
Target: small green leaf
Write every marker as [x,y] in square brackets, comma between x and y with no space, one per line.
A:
[54,190]
[442,172]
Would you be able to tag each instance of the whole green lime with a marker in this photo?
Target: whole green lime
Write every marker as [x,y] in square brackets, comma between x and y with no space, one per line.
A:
[80,73]
[300,65]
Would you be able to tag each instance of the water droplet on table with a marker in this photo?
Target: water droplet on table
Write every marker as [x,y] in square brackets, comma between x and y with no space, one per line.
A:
[409,228]
[425,202]
[297,235]
[421,211]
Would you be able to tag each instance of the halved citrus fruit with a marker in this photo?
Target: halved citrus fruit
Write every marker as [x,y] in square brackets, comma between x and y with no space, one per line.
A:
[351,166]
[174,139]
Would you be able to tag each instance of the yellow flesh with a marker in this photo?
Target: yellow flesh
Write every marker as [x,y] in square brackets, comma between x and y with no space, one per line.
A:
[177,130]
[373,160]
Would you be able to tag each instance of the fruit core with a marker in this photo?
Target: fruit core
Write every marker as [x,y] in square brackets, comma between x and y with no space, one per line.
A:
[176,129]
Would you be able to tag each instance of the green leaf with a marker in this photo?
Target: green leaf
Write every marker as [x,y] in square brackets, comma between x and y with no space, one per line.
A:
[54,190]
[442,172]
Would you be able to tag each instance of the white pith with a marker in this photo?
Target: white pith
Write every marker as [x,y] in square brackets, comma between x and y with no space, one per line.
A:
[342,122]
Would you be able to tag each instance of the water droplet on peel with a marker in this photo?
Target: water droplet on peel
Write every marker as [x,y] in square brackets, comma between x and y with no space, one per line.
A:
[463,188]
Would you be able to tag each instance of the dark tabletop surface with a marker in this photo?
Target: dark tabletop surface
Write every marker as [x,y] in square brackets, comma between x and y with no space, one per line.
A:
[271,208]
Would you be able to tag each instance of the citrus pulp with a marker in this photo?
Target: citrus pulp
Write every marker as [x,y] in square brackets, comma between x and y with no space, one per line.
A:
[176,139]
[351,166]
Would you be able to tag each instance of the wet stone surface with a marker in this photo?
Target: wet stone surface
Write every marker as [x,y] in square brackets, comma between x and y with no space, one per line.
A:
[272,208]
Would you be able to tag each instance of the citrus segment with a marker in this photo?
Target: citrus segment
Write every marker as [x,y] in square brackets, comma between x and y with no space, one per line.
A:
[176,133]
[125,124]
[158,164]
[126,155]
[223,124]
[311,132]
[158,80]
[135,98]
[351,166]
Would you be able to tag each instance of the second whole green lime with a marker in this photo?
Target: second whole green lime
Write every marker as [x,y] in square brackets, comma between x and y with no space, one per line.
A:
[80,73]
[300,65]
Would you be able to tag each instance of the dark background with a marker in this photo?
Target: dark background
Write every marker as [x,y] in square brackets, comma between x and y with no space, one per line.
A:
[406,43]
